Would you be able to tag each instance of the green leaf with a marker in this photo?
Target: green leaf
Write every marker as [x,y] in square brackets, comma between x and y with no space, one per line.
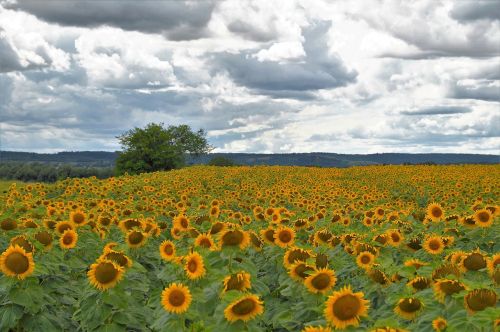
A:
[9,315]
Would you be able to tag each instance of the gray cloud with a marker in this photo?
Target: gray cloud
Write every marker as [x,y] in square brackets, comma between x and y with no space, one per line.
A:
[476,10]
[318,70]
[177,20]
[9,60]
[249,31]
[488,90]
[439,110]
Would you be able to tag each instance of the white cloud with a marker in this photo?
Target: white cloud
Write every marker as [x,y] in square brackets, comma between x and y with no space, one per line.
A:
[260,76]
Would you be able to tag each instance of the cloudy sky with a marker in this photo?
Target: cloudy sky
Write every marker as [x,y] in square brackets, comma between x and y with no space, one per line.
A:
[259,76]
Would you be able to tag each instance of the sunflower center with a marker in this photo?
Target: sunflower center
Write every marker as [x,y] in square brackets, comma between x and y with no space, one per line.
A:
[232,238]
[436,212]
[8,224]
[285,236]
[63,227]
[365,259]
[105,273]
[483,216]
[301,270]
[474,262]
[346,307]
[450,287]
[67,239]
[105,221]
[269,234]
[78,218]
[321,281]
[192,266]
[168,250]
[205,242]
[480,300]
[17,262]
[410,305]
[243,307]
[434,244]
[395,237]
[135,237]
[184,223]
[234,283]
[176,298]
[44,238]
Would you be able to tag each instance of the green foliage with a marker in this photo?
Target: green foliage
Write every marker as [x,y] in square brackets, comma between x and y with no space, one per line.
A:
[156,148]
[44,172]
[221,161]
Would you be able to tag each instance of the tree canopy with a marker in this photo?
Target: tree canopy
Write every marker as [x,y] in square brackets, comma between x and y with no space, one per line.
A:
[156,148]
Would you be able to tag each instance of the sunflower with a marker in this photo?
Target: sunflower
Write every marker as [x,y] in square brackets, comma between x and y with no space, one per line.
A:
[21,241]
[435,212]
[255,241]
[439,324]
[444,287]
[176,298]
[194,266]
[409,307]
[204,240]
[416,263]
[68,239]
[109,246]
[321,281]
[104,274]
[118,257]
[245,308]
[127,224]
[8,224]
[456,257]
[284,236]
[419,283]
[182,222]
[445,270]
[316,329]
[45,238]
[480,299]
[379,277]
[381,238]
[474,261]
[365,260]
[294,255]
[483,218]
[214,211]
[78,218]
[217,227]
[300,271]
[235,237]
[63,226]
[394,237]
[16,262]
[344,308]
[493,262]
[267,235]
[237,281]
[433,245]
[135,238]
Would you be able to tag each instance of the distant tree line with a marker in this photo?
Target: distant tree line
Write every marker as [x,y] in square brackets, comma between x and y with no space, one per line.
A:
[43,172]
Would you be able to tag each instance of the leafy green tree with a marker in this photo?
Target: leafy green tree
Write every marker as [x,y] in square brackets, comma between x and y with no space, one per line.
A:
[156,148]
[221,161]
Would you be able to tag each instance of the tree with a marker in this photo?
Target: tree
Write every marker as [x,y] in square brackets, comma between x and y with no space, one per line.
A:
[156,148]
[221,161]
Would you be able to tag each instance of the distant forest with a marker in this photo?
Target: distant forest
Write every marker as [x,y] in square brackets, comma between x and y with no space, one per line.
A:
[27,166]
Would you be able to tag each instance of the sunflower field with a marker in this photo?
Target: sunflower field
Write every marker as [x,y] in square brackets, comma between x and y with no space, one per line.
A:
[378,248]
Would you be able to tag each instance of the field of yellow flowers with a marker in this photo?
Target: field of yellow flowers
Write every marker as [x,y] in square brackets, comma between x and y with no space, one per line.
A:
[379,248]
